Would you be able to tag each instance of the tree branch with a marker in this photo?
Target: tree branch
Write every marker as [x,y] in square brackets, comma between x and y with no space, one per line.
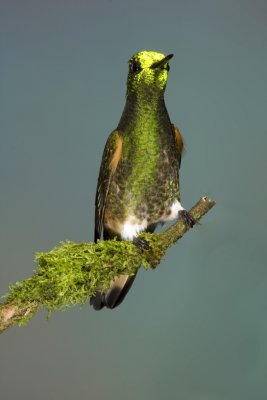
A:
[73,272]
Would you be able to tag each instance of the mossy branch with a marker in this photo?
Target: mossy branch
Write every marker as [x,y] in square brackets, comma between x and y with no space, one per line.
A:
[71,273]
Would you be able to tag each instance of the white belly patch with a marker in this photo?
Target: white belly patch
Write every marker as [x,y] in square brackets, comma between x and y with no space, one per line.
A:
[173,212]
[131,227]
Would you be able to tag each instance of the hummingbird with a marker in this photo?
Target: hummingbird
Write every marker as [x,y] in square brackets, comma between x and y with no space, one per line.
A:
[138,184]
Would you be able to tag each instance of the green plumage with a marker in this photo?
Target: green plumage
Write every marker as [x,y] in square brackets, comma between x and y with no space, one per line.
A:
[145,182]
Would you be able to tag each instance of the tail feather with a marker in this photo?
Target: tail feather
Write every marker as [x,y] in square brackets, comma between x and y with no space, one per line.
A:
[115,294]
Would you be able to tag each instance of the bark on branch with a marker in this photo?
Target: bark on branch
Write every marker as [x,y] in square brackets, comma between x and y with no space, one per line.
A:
[71,273]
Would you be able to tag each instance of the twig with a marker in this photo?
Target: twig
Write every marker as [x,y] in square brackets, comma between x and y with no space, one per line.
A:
[71,273]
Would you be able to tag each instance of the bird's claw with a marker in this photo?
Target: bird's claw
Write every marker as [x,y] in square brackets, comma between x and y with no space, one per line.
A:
[187,218]
[142,244]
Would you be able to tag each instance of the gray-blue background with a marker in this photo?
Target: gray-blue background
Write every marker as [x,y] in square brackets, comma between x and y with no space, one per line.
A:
[195,328]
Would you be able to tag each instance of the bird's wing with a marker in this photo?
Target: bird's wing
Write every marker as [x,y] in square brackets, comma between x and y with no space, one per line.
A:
[111,157]
[179,142]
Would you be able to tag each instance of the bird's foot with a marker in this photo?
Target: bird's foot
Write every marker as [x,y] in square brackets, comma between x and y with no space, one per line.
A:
[141,243]
[187,218]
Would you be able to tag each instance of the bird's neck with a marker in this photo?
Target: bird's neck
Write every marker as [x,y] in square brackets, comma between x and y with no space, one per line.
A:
[141,109]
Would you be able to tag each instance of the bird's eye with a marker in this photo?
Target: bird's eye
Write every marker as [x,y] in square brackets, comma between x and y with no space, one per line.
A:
[135,67]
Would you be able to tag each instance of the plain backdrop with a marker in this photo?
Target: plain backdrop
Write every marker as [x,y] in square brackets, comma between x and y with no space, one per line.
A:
[195,328]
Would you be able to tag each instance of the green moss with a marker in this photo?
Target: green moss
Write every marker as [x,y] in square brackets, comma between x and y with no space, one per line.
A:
[73,272]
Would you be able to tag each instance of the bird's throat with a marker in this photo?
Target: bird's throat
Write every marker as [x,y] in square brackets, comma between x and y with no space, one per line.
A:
[143,110]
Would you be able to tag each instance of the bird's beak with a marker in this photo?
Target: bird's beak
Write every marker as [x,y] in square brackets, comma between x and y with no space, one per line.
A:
[160,63]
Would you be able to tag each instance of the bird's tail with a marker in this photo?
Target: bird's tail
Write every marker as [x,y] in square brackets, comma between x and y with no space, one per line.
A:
[115,294]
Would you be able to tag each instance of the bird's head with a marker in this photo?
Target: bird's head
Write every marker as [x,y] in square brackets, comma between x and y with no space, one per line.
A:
[148,71]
